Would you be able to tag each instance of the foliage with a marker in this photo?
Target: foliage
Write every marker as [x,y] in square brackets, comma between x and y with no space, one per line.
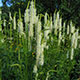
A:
[19,47]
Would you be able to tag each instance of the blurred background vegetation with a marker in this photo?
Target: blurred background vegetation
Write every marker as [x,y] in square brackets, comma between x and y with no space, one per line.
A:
[70,9]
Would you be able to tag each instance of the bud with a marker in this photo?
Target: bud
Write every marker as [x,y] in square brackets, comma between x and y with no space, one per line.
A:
[45,18]
[14,23]
[10,16]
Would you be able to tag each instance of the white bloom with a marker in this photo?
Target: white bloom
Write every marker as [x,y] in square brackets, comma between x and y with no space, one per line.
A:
[60,27]
[47,47]
[58,20]
[64,25]
[54,19]
[30,30]
[56,23]
[26,16]
[60,24]
[41,62]
[36,20]
[55,26]
[76,38]
[68,29]
[20,26]
[38,34]
[54,16]
[57,15]
[4,22]
[2,40]
[45,18]
[38,37]
[72,53]
[72,29]
[32,13]
[51,25]
[35,69]
[42,48]
[41,58]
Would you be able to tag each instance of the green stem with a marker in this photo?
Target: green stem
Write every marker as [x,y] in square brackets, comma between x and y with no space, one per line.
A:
[19,50]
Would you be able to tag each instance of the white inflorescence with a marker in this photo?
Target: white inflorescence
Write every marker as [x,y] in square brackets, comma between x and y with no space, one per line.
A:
[32,13]
[2,40]
[72,53]
[41,62]
[72,27]
[26,16]
[56,23]
[35,69]
[74,43]
[76,38]
[64,25]
[32,17]
[30,30]
[47,30]
[4,22]
[51,24]
[67,29]
[20,26]
[60,27]
[45,18]
[38,47]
